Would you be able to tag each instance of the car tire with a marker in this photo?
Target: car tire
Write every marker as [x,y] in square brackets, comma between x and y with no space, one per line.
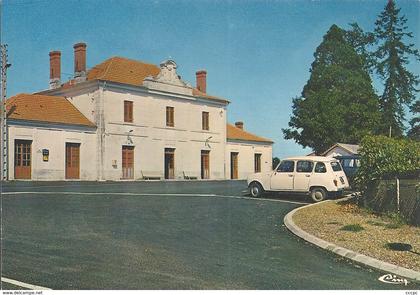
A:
[256,190]
[318,194]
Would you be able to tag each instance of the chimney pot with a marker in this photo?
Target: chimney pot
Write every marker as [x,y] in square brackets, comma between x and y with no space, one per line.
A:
[80,61]
[239,125]
[55,69]
[201,80]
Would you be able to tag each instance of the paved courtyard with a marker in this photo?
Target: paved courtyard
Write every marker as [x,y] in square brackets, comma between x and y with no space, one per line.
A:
[163,235]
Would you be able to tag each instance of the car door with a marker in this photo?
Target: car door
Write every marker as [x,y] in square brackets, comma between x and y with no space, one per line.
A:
[282,178]
[303,175]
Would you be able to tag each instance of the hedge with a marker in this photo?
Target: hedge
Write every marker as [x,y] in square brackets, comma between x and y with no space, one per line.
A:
[383,157]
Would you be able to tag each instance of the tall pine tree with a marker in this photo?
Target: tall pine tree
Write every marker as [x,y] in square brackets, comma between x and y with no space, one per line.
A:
[414,132]
[392,56]
[338,103]
[361,41]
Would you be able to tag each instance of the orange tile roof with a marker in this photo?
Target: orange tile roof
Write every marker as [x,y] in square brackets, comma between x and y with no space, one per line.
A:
[240,134]
[128,71]
[123,70]
[45,108]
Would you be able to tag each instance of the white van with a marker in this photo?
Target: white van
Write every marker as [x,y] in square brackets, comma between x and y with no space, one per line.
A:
[318,176]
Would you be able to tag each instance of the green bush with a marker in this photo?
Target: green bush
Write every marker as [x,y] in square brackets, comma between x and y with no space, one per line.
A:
[381,156]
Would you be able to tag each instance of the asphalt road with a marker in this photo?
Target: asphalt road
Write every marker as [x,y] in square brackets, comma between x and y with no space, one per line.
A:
[163,235]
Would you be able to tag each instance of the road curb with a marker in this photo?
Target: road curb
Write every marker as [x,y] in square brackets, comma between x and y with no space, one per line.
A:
[349,254]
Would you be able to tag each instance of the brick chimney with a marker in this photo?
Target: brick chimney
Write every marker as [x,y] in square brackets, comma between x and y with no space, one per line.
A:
[55,69]
[201,77]
[239,125]
[79,62]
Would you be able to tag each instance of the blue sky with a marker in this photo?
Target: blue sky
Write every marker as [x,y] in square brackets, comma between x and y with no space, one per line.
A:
[256,53]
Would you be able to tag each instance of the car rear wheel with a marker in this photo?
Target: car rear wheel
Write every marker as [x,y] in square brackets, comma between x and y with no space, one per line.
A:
[318,194]
[256,189]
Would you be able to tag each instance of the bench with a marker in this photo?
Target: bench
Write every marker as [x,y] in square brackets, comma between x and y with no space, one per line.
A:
[189,177]
[150,175]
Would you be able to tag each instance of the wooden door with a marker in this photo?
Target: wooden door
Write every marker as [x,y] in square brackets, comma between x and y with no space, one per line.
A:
[205,164]
[128,162]
[169,163]
[72,160]
[23,159]
[234,165]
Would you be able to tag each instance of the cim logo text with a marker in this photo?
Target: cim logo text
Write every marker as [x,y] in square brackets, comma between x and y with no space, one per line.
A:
[393,279]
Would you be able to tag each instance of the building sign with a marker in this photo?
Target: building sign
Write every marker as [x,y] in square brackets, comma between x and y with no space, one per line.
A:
[45,155]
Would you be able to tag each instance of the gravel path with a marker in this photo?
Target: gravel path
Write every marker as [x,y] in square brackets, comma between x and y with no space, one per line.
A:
[326,221]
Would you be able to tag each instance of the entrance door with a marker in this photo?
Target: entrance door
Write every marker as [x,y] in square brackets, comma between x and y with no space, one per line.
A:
[23,159]
[233,165]
[72,160]
[205,164]
[169,163]
[127,162]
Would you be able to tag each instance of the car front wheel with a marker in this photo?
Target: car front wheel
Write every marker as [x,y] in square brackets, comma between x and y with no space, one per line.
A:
[256,189]
[318,194]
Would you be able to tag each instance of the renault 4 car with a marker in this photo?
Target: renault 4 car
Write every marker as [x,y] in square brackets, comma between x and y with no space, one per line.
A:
[320,177]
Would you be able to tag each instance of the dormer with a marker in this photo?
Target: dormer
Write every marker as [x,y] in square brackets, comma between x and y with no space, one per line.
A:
[168,80]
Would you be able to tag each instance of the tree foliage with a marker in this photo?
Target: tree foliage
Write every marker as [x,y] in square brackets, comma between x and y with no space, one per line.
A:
[392,55]
[414,132]
[361,42]
[381,155]
[338,103]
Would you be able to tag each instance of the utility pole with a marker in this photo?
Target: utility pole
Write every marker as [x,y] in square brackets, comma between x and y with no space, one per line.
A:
[4,133]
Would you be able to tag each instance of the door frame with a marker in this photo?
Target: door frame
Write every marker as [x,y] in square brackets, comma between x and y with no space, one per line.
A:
[205,154]
[234,169]
[170,152]
[123,148]
[21,141]
[69,144]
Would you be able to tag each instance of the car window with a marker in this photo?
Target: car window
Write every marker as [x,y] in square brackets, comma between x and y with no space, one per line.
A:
[286,166]
[320,168]
[304,166]
[336,166]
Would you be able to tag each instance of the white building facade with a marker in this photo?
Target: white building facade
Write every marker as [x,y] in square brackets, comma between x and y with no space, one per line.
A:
[135,121]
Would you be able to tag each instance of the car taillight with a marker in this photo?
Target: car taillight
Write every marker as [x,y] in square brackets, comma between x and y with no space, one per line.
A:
[335,182]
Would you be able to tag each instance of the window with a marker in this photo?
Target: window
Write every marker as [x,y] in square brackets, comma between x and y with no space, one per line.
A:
[128,111]
[170,116]
[304,166]
[336,166]
[205,120]
[257,163]
[320,168]
[286,166]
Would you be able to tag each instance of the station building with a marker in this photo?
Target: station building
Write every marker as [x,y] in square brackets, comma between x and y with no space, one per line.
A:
[127,120]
